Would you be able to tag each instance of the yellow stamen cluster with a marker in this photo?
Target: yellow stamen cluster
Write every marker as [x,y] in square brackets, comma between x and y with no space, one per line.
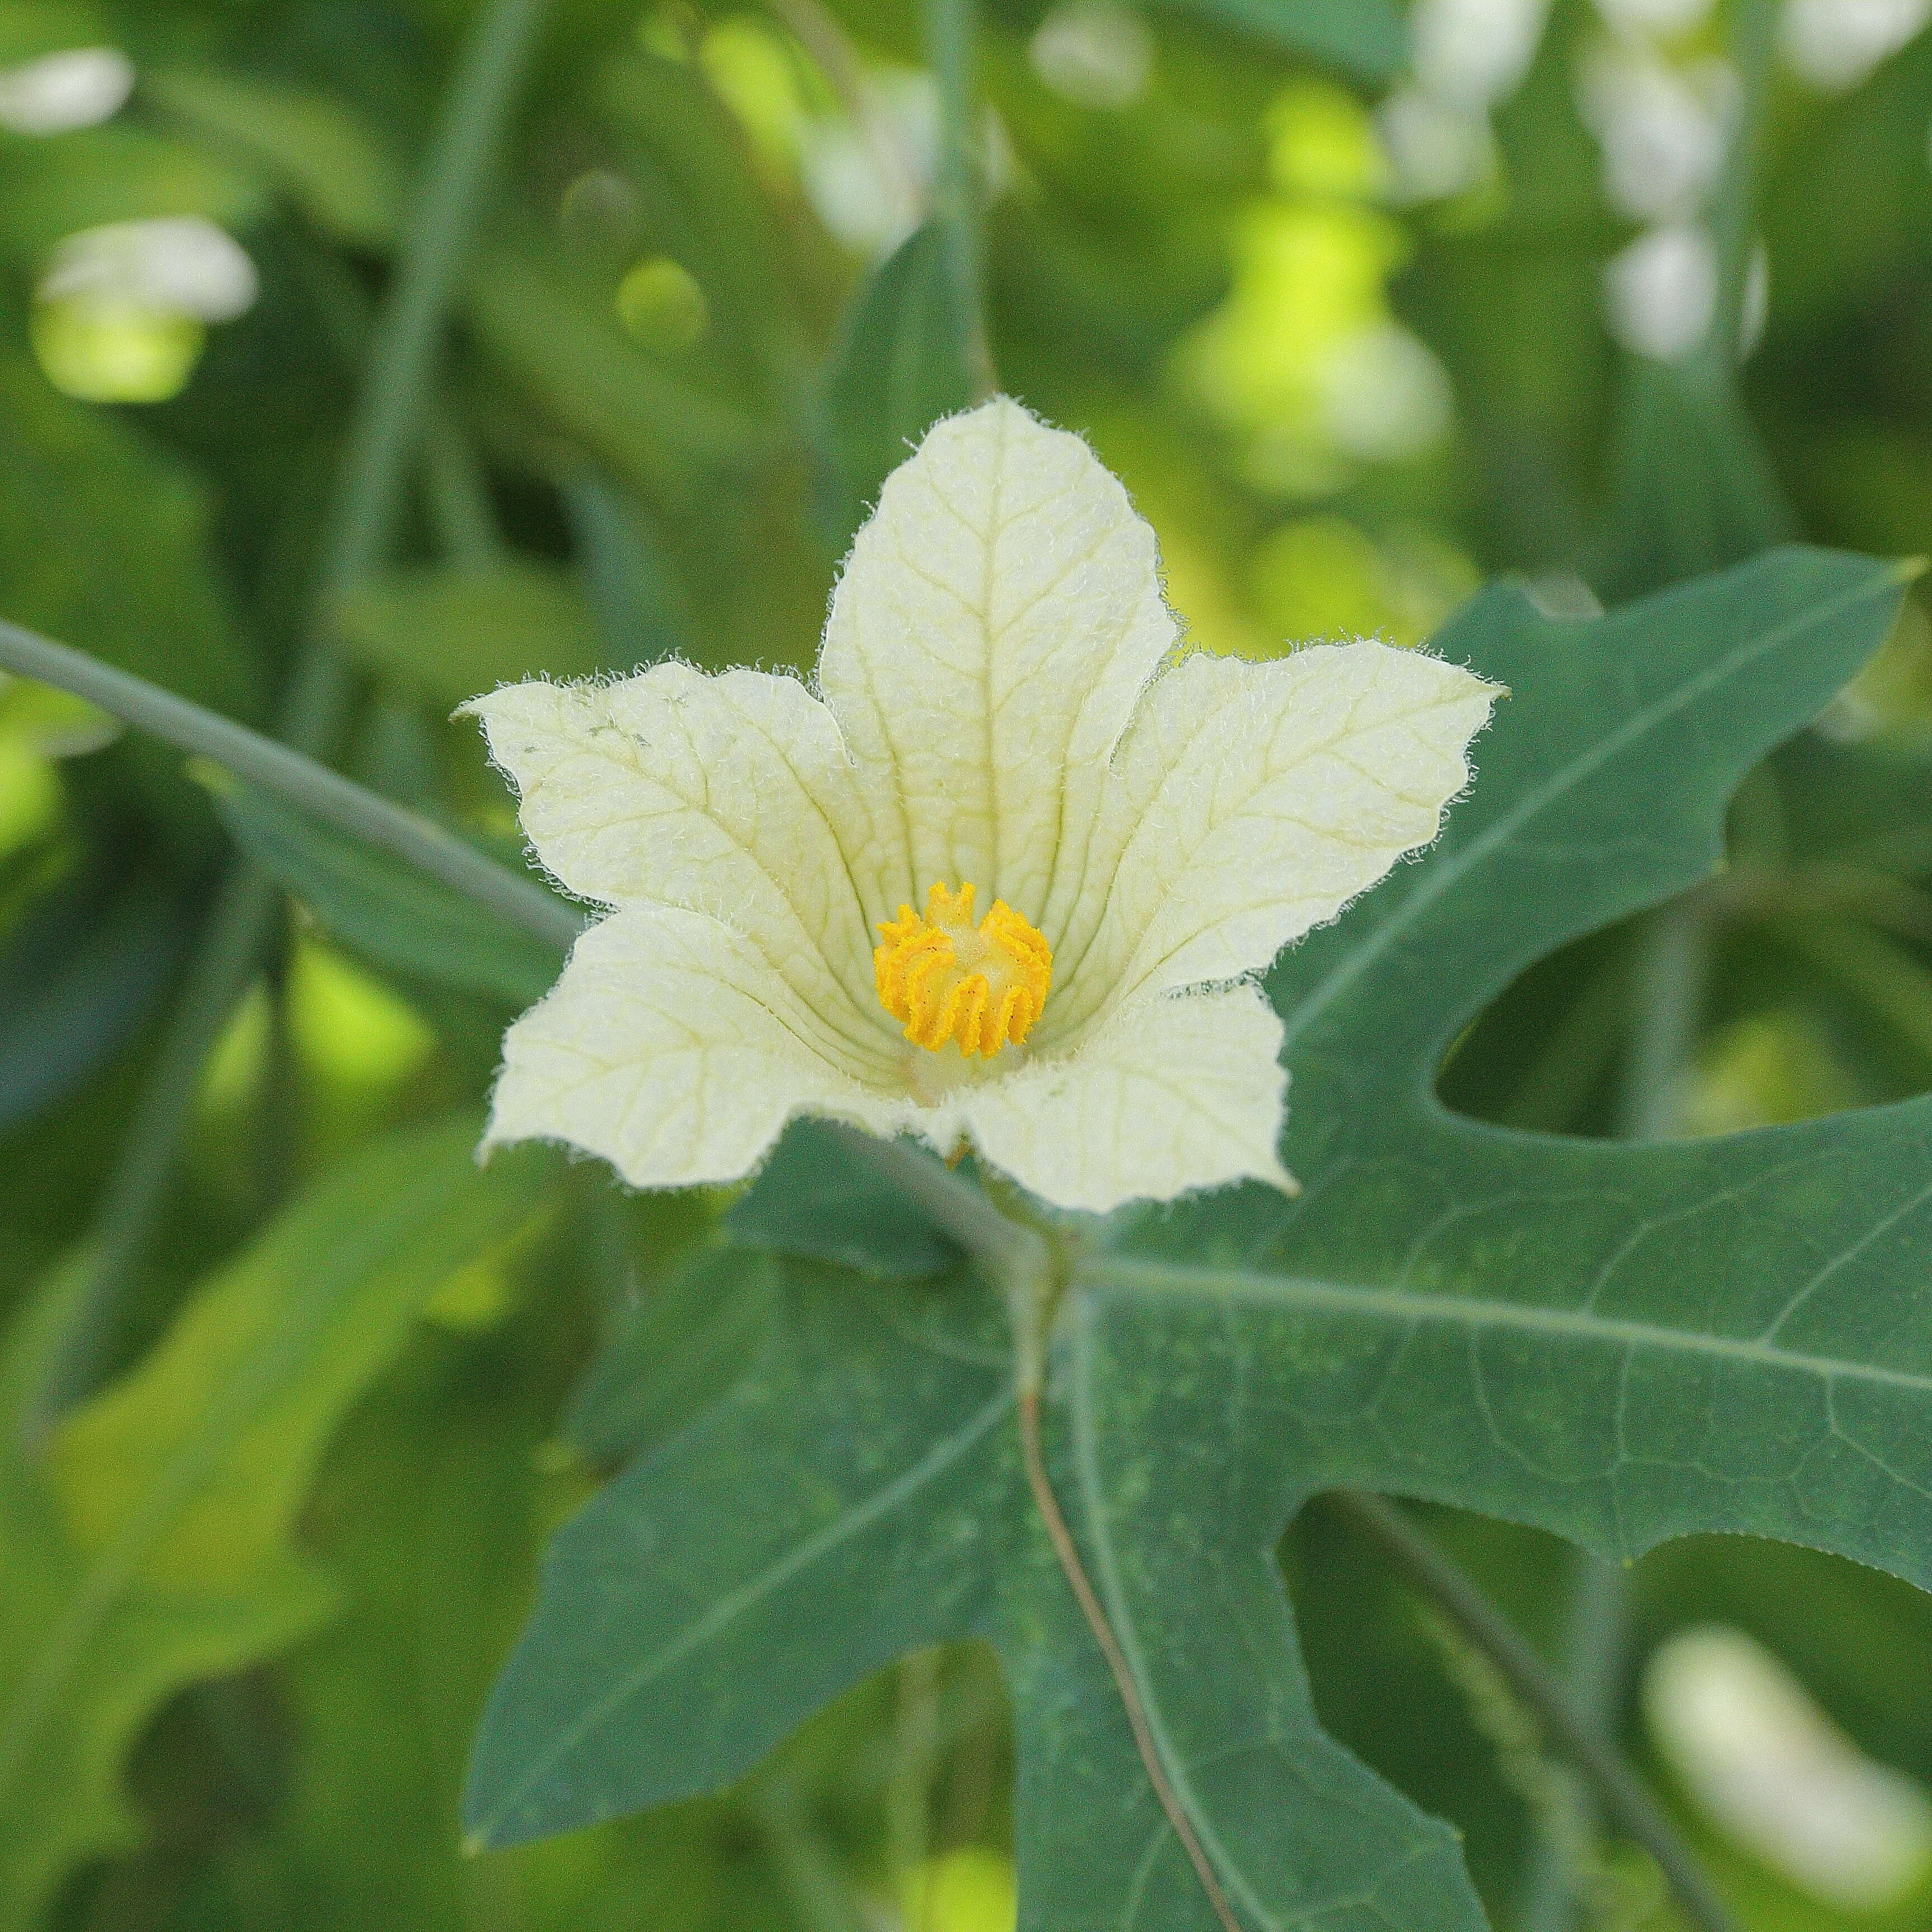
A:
[946,979]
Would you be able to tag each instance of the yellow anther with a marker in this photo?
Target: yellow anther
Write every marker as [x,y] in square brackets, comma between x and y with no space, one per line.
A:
[946,978]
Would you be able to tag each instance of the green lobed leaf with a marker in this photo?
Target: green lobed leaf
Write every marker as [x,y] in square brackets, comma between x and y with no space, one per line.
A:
[385,908]
[1619,1343]
[690,1337]
[152,1547]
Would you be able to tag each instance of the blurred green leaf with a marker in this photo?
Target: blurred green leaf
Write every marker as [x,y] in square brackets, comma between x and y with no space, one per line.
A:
[902,362]
[121,172]
[1367,38]
[343,180]
[153,1548]
[571,357]
[386,909]
[450,633]
[1494,1319]
[1693,489]
[642,612]
[104,543]
[78,975]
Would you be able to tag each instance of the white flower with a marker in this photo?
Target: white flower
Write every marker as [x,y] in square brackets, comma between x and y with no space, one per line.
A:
[992,732]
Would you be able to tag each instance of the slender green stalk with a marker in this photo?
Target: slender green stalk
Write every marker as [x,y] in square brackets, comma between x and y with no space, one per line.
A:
[1617,1786]
[459,500]
[386,430]
[958,177]
[1672,968]
[1595,1638]
[804,1865]
[302,781]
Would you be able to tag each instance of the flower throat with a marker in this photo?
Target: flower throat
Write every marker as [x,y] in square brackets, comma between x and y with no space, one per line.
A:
[945,978]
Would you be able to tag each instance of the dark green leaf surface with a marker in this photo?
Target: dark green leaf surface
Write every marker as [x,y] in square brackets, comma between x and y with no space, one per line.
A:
[815,1196]
[1621,1343]
[690,1337]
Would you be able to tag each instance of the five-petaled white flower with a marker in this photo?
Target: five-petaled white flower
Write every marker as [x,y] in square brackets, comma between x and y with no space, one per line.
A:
[1003,878]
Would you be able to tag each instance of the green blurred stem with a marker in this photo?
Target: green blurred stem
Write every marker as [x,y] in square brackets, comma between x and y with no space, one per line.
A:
[460,510]
[1733,216]
[1616,1785]
[958,177]
[804,1863]
[302,781]
[1672,968]
[382,438]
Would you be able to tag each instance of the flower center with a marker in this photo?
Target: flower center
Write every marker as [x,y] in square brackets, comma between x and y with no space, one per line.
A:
[949,980]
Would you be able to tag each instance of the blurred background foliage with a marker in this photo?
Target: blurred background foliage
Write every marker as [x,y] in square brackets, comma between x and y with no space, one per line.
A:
[1367,306]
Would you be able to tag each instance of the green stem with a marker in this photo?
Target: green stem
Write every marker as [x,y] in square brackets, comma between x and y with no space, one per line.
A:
[958,186]
[459,509]
[305,783]
[1617,1786]
[1673,969]
[1594,1640]
[806,1867]
[387,427]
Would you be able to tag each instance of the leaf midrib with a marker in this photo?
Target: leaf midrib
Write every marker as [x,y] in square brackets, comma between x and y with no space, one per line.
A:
[1412,1308]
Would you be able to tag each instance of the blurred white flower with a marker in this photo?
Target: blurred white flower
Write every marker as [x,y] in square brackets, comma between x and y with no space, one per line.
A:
[59,92]
[1385,396]
[1663,18]
[177,265]
[1472,53]
[1664,129]
[1435,149]
[1093,54]
[1660,292]
[1835,43]
[1754,1750]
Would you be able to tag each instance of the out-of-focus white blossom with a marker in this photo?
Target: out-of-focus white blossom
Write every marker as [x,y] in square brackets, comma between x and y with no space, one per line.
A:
[1436,149]
[1664,129]
[1093,54]
[77,87]
[1756,1752]
[1835,43]
[1660,292]
[176,265]
[1472,53]
[1644,18]
[1384,395]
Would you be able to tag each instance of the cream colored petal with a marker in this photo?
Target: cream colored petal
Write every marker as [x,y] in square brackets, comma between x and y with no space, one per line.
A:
[1249,802]
[731,795]
[673,1049]
[1170,1093]
[996,621]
